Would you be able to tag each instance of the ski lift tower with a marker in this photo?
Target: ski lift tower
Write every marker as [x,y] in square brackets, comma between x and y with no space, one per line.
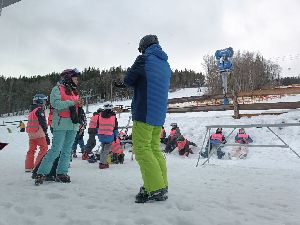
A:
[5,3]
[225,67]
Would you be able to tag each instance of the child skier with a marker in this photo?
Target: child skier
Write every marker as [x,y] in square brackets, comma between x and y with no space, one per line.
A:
[22,126]
[79,140]
[37,132]
[117,151]
[241,152]
[92,131]
[183,146]
[163,135]
[107,132]
[171,141]
[215,140]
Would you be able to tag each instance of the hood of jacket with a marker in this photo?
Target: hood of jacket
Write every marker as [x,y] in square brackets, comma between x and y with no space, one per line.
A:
[157,51]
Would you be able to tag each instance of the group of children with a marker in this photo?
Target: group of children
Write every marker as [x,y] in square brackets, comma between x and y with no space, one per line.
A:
[103,123]
[217,139]
[176,139]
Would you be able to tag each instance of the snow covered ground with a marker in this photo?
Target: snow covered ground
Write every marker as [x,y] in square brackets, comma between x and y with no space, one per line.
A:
[262,189]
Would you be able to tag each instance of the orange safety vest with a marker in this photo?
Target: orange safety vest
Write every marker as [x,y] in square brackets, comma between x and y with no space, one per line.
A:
[65,113]
[172,132]
[116,147]
[94,121]
[181,144]
[33,122]
[50,116]
[216,137]
[107,125]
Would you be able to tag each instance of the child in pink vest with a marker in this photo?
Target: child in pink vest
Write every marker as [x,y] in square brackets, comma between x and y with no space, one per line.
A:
[37,132]
[215,140]
[183,146]
[241,152]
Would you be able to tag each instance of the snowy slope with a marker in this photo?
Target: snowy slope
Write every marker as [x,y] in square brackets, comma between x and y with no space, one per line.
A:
[263,189]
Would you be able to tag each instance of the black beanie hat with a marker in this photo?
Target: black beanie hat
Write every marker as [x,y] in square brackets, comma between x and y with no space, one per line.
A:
[147,41]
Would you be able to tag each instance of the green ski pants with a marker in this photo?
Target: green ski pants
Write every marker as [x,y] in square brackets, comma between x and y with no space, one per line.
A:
[146,147]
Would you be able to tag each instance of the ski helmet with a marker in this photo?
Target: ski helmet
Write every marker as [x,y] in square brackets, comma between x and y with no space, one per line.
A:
[173,124]
[39,99]
[180,138]
[242,131]
[219,130]
[107,105]
[68,73]
[147,41]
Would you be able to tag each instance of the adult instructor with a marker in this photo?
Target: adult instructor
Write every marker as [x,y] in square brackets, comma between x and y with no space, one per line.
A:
[150,78]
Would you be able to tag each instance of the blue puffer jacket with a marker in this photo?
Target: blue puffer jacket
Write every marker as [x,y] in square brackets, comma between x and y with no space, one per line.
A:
[150,77]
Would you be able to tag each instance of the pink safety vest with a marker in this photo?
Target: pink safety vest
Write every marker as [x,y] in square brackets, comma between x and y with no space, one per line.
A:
[181,144]
[65,113]
[93,121]
[107,125]
[116,147]
[172,132]
[33,122]
[216,137]
[245,136]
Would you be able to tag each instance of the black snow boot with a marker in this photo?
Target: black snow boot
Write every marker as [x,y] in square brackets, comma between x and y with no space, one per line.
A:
[220,154]
[63,178]
[39,179]
[143,196]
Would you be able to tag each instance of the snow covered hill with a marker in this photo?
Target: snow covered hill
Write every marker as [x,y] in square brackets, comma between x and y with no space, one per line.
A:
[262,189]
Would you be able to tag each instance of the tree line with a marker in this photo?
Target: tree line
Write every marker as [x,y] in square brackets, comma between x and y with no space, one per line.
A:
[251,72]
[16,93]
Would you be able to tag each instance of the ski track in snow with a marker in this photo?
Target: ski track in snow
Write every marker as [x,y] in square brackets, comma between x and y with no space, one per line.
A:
[262,189]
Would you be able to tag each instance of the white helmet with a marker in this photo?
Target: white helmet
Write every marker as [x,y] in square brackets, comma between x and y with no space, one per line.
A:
[108,105]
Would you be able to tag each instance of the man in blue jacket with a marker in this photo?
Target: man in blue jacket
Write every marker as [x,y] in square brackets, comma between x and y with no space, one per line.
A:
[150,78]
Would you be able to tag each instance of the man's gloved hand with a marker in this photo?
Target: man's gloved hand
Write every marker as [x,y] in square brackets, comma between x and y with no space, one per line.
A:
[119,84]
[47,139]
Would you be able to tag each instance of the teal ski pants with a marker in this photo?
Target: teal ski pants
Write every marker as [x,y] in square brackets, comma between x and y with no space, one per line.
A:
[62,148]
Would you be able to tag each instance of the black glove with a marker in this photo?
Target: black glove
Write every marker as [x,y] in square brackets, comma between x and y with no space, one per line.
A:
[47,139]
[119,84]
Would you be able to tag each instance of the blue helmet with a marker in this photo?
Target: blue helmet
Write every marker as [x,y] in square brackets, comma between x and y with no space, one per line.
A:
[40,99]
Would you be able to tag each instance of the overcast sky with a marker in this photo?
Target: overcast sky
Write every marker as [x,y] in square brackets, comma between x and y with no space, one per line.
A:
[42,36]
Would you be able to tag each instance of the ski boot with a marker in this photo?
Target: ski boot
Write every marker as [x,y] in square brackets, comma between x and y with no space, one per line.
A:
[49,178]
[92,159]
[103,166]
[74,155]
[243,156]
[63,178]
[85,156]
[39,179]
[143,196]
